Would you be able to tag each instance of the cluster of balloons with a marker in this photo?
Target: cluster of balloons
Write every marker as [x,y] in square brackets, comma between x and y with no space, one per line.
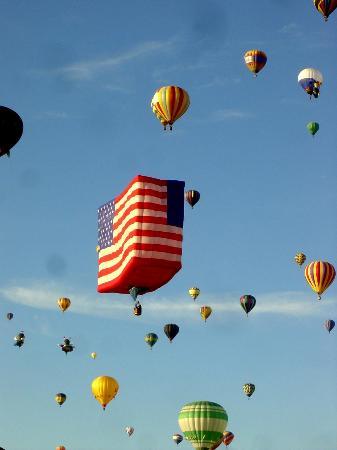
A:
[171,330]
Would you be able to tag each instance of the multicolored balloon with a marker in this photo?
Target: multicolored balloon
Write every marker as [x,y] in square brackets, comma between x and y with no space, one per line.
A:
[248,389]
[325,7]
[169,103]
[194,292]
[255,60]
[203,423]
[329,324]
[151,339]
[192,197]
[205,312]
[300,258]
[313,127]
[228,437]
[311,80]
[60,398]
[104,389]
[247,302]
[177,438]
[319,275]
[171,330]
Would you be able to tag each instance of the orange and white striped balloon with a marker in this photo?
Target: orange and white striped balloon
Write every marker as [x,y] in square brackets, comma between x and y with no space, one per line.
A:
[169,103]
[319,275]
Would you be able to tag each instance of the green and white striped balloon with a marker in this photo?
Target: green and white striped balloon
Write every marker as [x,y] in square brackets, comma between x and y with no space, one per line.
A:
[203,423]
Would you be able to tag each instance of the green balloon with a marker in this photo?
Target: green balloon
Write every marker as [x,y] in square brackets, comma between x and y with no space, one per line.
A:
[313,127]
[151,339]
[203,423]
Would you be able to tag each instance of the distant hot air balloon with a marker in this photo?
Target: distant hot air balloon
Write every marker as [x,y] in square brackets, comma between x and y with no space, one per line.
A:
[313,127]
[203,423]
[329,324]
[10,316]
[228,436]
[255,60]
[205,312]
[177,438]
[319,275]
[311,79]
[129,430]
[192,197]
[60,447]
[104,389]
[300,258]
[194,292]
[151,339]
[11,129]
[171,330]
[325,7]
[93,355]
[19,339]
[63,303]
[60,398]
[248,389]
[247,302]
[169,103]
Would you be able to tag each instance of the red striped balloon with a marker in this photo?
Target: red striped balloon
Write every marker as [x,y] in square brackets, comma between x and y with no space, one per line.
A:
[319,275]
[228,437]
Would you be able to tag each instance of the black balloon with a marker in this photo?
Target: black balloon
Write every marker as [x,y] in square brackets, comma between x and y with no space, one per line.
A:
[171,330]
[11,129]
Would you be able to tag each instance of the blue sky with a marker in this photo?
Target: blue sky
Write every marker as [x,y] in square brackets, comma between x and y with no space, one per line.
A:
[81,74]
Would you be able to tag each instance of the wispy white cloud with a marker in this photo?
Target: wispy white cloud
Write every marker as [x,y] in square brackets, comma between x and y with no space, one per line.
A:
[85,70]
[291,30]
[225,114]
[43,296]
[53,115]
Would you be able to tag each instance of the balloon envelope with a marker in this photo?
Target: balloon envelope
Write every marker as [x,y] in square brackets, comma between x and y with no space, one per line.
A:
[60,398]
[300,258]
[255,60]
[203,423]
[205,312]
[104,389]
[11,129]
[177,438]
[194,292]
[247,302]
[325,7]
[313,127]
[169,103]
[329,324]
[151,339]
[319,275]
[10,316]
[192,197]
[171,330]
[248,389]
[63,303]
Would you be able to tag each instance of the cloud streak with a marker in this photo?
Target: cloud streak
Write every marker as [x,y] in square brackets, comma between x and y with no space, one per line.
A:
[43,296]
[86,70]
[226,114]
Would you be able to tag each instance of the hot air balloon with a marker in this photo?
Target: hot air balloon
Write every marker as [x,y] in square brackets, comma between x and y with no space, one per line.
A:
[104,389]
[325,7]
[177,438]
[60,398]
[247,302]
[203,423]
[63,303]
[248,389]
[329,324]
[140,237]
[66,346]
[205,312]
[60,447]
[11,129]
[171,330]
[319,275]
[129,430]
[93,355]
[228,436]
[300,258]
[311,79]
[194,292]
[19,339]
[313,127]
[192,197]
[255,60]
[10,316]
[169,103]
[151,339]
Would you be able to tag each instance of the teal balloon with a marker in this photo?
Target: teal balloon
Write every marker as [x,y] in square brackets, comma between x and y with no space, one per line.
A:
[313,127]
[151,339]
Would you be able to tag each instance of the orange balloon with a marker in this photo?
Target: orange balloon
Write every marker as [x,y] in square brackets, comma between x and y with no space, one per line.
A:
[319,275]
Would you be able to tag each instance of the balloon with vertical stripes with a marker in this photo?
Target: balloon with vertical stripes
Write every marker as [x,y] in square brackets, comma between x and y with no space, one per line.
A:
[319,275]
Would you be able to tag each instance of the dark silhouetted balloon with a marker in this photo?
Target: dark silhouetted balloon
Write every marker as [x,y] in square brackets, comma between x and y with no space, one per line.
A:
[171,330]
[11,129]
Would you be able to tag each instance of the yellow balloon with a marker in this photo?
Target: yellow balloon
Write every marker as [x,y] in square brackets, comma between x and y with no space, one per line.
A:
[194,292]
[63,303]
[104,389]
[205,312]
[93,355]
